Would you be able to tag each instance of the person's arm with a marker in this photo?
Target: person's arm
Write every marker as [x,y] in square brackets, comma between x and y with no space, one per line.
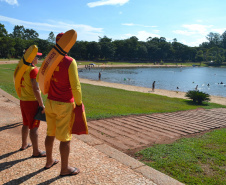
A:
[37,93]
[75,83]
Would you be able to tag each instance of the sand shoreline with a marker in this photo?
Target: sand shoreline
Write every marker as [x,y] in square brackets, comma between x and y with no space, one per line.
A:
[172,94]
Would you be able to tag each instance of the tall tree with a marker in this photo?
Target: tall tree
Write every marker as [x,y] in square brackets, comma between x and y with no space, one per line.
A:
[214,39]
[107,48]
[3,32]
[216,55]
[223,38]
[51,38]
[93,50]
[18,32]
[30,34]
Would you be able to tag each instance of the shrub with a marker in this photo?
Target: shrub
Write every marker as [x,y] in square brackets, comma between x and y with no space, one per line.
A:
[198,96]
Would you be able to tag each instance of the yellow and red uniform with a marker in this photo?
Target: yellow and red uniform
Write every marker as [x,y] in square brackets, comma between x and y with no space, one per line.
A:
[64,92]
[28,103]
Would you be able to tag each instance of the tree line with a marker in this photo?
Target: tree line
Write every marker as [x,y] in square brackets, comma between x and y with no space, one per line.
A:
[12,45]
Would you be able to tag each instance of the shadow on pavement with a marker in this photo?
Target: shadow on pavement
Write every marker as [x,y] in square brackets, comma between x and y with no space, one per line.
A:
[50,180]
[24,178]
[8,154]
[10,126]
[6,165]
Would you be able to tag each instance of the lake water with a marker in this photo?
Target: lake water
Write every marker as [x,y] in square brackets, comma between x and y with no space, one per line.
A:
[185,78]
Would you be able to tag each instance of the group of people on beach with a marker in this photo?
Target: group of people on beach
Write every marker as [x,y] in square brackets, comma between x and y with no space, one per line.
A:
[64,94]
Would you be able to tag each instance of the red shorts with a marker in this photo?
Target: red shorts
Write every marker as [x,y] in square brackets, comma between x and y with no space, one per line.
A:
[29,110]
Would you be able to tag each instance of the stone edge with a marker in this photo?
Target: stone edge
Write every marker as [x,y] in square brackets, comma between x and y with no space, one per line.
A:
[148,172]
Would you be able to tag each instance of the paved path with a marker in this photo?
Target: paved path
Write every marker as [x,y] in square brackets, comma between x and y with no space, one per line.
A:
[98,162]
[136,132]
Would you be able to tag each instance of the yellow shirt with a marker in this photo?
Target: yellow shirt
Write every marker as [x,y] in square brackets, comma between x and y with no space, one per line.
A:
[27,93]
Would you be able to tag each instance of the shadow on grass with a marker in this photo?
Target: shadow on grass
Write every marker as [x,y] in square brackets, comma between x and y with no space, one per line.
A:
[189,102]
[14,125]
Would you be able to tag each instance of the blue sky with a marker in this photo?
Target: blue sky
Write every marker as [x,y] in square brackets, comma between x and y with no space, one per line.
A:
[189,21]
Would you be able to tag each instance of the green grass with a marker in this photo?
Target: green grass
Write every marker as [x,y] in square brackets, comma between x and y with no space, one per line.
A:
[198,160]
[105,102]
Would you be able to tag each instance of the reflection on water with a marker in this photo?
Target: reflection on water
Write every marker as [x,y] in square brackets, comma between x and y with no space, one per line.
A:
[209,80]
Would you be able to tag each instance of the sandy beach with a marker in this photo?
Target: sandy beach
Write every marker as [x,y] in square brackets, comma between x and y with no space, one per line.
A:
[172,94]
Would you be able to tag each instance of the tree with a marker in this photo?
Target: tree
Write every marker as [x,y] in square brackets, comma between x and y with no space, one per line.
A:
[216,54]
[30,34]
[152,51]
[20,46]
[142,51]
[107,48]
[131,48]
[104,39]
[51,38]
[18,32]
[3,32]
[120,50]
[223,38]
[93,50]
[79,50]
[214,39]
[199,57]
[6,47]
[43,46]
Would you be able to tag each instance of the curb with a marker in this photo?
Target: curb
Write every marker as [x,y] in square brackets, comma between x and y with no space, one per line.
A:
[148,172]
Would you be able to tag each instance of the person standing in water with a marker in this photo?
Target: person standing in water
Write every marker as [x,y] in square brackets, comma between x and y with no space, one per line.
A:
[153,86]
[99,75]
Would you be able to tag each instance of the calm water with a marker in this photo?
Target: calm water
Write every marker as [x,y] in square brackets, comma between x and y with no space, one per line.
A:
[185,78]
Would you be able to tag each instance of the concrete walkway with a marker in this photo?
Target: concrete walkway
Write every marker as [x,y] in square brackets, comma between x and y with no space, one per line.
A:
[98,162]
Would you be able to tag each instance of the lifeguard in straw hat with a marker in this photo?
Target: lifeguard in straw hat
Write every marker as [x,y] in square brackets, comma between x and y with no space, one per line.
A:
[30,100]
[64,92]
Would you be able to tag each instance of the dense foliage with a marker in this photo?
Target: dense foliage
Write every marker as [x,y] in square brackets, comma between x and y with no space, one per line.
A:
[153,50]
[198,96]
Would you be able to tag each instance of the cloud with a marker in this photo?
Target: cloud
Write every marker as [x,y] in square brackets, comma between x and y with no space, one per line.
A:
[85,32]
[193,29]
[141,35]
[219,30]
[11,2]
[107,2]
[195,42]
[184,32]
[132,24]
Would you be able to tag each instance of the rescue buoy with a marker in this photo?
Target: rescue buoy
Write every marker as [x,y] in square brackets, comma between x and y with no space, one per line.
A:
[23,65]
[53,59]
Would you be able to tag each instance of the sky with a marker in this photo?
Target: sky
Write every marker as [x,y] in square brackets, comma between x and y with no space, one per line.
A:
[189,21]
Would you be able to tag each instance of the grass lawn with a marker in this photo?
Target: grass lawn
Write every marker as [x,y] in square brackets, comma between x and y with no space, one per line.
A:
[198,160]
[105,102]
